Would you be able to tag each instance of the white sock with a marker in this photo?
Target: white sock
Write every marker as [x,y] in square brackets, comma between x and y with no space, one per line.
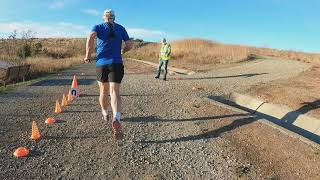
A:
[104,112]
[117,116]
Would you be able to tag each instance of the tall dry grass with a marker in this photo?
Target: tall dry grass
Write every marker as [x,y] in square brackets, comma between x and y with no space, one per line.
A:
[46,56]
[203,52]
[49,47]
[41,65]
[313,58]
[194,51]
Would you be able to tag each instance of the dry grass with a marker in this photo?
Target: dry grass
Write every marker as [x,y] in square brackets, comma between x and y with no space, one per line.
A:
[55,48]
[49,65]
[54,54]
[195,52]
[299,56]
[63,48]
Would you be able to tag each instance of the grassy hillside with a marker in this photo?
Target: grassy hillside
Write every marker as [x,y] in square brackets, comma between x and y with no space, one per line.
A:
[51,55]
[190,53]
[44,55]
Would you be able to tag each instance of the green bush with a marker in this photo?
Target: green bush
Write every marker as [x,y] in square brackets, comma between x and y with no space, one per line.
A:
[24,51]
[36,48]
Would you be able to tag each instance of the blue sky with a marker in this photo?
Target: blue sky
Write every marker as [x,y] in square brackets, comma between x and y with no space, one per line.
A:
[284,24]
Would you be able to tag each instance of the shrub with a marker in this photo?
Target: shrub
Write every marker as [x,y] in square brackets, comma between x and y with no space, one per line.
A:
[24,51]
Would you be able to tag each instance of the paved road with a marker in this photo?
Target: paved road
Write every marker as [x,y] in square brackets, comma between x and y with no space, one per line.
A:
[171,131]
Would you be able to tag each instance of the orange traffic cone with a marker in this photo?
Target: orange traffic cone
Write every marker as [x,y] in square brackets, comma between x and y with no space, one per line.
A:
[64,101]
[21,152]
[35,132]
[69,96]
[194,88]
[74,82]
[58,107]
[50,121]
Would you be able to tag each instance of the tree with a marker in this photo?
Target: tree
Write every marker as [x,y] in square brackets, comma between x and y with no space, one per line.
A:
[26,49]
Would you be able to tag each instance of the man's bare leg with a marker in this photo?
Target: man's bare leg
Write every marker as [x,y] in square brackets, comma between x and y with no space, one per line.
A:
[116,105]
[104,99]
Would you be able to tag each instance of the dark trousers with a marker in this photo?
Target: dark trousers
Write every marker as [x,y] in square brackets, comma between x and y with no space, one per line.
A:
[165,63]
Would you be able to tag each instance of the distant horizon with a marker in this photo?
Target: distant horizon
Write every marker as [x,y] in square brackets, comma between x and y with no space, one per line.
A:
[214,41]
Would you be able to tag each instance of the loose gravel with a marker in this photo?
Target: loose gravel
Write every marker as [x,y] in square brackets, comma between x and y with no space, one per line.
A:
[171,132]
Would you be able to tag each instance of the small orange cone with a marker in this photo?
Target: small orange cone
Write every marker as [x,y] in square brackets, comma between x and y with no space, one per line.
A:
[64,101]
[50,121]
[58,107]
[194,88]
[70,98]
[35,132]
[21,152]
[74,82]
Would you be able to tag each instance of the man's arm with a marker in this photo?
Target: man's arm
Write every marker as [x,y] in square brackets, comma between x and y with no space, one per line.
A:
[90,46]
[128,45]
[169,50]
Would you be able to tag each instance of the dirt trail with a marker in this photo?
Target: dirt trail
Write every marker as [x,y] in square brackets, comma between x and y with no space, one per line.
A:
[171,131]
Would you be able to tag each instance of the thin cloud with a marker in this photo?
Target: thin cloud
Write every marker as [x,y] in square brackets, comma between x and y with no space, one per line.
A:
[145,33]
[92,12]
[56,30]
[57,5]
[66,29]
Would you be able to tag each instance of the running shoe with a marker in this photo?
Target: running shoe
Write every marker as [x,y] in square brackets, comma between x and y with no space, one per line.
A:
[117,129]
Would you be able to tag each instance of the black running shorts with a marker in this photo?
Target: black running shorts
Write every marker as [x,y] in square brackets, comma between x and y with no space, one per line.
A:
[110,73]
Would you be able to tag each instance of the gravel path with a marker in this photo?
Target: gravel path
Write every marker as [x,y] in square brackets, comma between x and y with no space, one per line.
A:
[171,131]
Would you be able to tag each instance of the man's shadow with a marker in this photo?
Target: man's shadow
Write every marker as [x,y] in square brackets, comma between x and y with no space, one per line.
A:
[292,116]
[209,134]
[231,76]
[244,120]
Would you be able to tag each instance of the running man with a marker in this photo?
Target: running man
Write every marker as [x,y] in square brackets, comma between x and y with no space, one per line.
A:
[164,58]
[109,65]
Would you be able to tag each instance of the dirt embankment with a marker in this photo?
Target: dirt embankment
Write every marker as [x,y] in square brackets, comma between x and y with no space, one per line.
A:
[299,93]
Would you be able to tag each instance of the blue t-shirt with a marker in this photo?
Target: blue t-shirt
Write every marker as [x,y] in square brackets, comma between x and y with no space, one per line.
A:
[108,45]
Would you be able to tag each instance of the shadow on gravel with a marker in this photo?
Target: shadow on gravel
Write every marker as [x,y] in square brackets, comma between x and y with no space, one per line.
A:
[79,74]
[208,134]
[286,121]
[84,104]
[291,117]
[70,137]
[123,95]
[80,111]
[89,95]
[35,153]
[63,82]
[60,121]
[141,95]
[156,119]
[225,77]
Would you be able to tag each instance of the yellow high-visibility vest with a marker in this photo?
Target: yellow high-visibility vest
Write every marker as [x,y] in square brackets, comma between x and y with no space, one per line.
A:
[165,53]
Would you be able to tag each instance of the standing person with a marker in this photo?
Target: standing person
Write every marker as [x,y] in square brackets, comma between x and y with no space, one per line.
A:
[109,65]
[164,58]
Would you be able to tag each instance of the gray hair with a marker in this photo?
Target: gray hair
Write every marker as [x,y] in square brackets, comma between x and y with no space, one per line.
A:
[109,13]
